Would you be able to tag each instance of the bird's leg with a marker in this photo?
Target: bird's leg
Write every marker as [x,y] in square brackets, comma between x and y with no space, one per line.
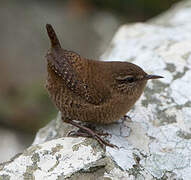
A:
[90,132]
[85,134]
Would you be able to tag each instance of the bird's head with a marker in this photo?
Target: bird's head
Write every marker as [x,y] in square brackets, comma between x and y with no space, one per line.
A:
[131,79]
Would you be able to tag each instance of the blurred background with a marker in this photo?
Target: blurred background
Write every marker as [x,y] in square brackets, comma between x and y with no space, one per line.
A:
[84,26]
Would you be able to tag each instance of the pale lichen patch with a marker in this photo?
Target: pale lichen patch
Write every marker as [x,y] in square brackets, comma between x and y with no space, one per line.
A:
[88,142]
[186,55]
[35,158]
[5,177]
[29,173]
[180,89]
[171,67]
[184,135]
[56,164]
[56,149]
[30,169]
[178,75]
[31,150]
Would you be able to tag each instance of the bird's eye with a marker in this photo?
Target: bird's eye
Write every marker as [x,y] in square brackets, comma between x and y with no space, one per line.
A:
[130,79]
[126,79]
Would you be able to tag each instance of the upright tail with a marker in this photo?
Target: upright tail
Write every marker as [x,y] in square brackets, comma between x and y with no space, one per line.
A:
[53,37]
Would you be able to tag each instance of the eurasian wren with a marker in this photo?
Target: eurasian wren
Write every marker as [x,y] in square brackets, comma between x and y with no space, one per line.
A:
[90,90]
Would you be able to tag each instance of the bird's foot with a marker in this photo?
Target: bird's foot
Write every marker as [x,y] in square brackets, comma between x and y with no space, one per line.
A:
[126,118]
[87,132]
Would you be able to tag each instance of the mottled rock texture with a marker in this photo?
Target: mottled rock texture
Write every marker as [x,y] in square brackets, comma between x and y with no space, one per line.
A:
[155,142]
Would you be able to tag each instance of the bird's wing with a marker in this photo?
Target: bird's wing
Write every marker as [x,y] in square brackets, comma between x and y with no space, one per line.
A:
[67,65]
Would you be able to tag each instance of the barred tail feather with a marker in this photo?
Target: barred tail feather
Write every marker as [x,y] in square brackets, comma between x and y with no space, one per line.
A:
[53,37]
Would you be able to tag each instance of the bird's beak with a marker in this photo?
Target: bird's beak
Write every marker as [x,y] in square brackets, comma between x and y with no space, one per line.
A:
[150,76]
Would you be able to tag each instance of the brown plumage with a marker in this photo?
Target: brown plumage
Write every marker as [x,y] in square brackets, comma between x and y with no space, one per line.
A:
[90,90]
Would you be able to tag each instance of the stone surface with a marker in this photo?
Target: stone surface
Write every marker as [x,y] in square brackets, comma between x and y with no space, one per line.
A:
[154,143]
[56,158]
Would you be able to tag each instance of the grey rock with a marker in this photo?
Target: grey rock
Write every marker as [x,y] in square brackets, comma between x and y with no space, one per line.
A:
[154,143]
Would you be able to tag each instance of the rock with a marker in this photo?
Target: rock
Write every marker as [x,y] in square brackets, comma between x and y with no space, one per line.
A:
[56,158]
[154,143]
[178,15]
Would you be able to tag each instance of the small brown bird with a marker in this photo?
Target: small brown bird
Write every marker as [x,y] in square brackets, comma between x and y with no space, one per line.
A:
[90,90]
